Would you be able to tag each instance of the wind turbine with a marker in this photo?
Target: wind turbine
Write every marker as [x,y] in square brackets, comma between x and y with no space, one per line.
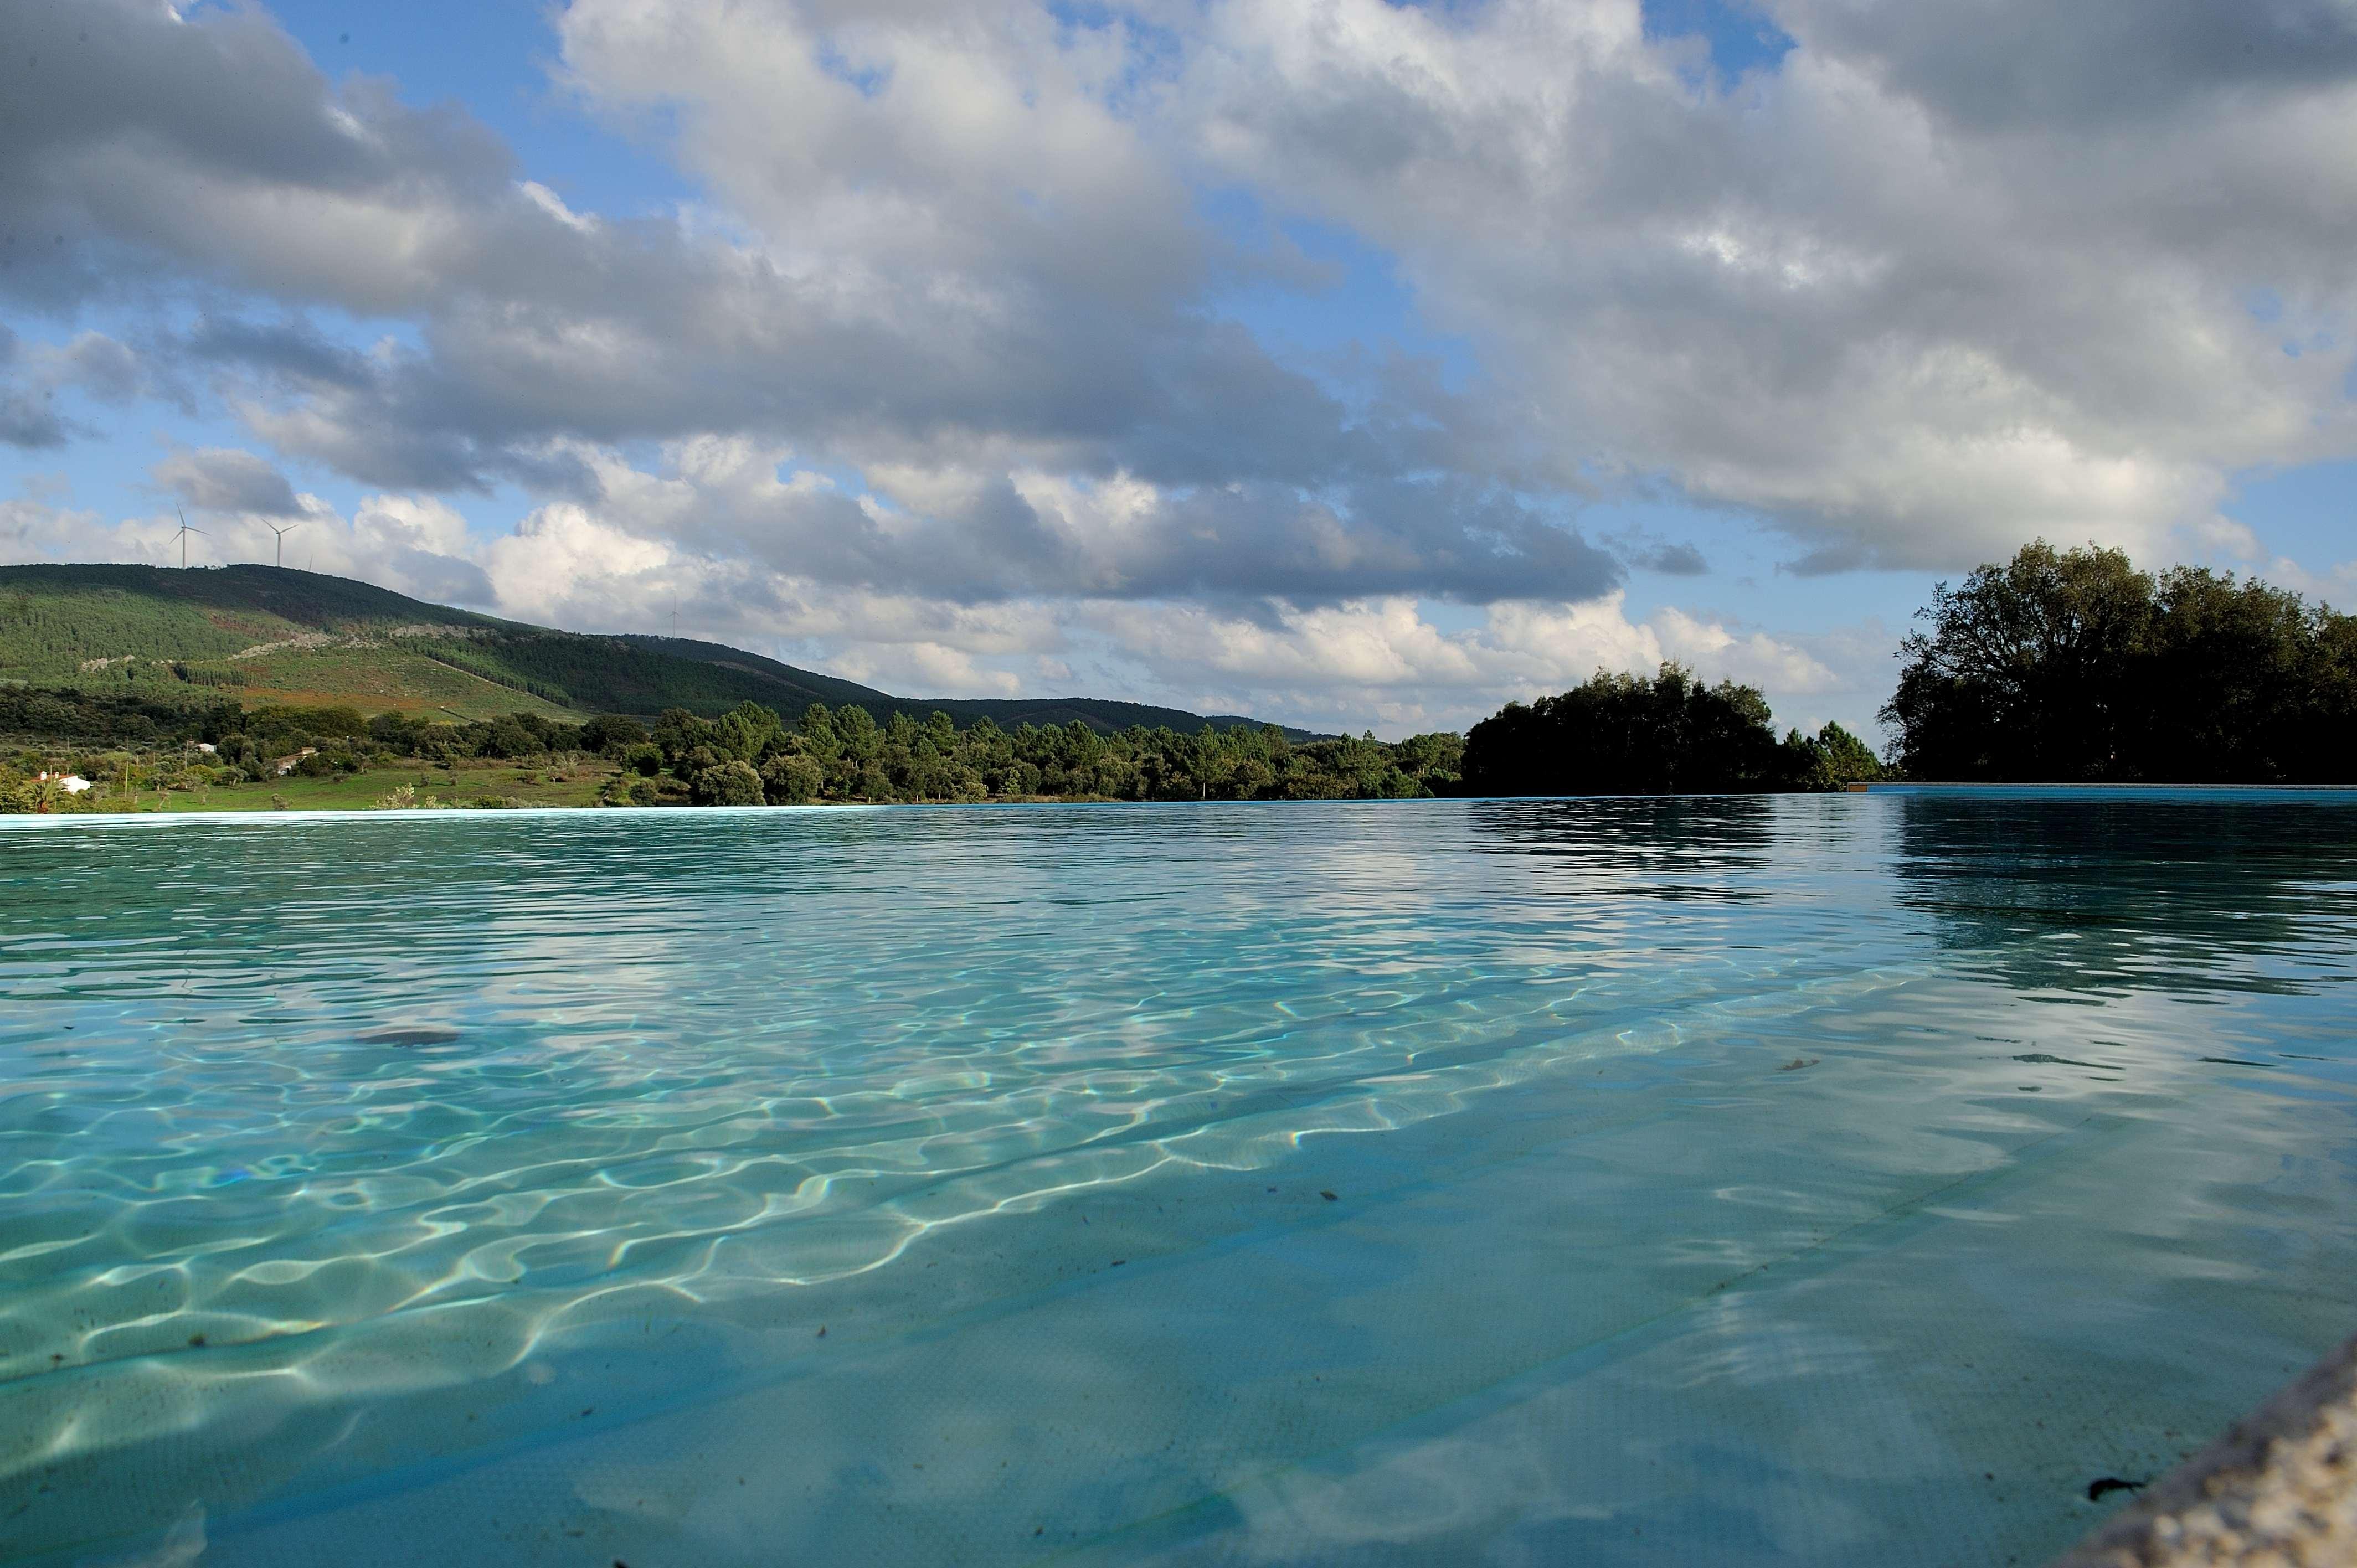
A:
[183,535]
[281,533]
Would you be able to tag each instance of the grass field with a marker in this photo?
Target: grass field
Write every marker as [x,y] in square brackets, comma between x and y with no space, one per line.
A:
[465,782]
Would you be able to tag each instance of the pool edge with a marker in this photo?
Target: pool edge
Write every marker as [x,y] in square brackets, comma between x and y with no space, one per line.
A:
[2280,1487]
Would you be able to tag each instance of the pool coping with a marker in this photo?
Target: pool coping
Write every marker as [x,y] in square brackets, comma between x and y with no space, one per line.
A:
[2279,1488]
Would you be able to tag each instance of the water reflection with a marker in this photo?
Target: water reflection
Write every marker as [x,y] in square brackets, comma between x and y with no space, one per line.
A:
[1653,846]
[2103,897]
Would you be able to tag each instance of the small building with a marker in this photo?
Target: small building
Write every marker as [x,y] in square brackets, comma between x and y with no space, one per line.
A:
[208,747]
[72,783]
[286,765]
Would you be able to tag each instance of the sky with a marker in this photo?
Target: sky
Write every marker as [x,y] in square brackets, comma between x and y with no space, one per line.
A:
[1351,364]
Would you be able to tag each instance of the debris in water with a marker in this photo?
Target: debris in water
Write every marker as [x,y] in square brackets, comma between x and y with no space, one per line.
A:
[409,1034]
[2041,1058]
[1797,1063]
[2100,1489]
[2234,1062]
[1329,1196]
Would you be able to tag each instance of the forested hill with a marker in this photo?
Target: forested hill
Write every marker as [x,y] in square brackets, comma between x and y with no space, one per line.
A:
[269,634]
[1104,713]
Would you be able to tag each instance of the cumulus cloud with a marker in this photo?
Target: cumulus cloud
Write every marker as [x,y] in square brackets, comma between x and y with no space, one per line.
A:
[31,376]
[944,338]
[225,479]
[1390,661]
[959,261]
[1900,295]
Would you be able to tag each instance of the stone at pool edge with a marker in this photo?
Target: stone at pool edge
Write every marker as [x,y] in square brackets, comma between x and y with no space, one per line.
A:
[2279,1489]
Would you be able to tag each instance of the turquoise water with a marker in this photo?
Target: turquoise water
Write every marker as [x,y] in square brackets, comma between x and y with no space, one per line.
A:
[1809,1180]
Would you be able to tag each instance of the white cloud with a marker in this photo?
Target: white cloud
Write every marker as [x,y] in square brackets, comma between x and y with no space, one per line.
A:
[942,389]
[1387,659]
[1909,332]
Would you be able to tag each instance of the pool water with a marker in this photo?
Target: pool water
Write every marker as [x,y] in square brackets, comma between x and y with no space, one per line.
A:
[1808,1180]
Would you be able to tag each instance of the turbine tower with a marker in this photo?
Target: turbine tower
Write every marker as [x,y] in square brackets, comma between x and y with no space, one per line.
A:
[281,533]
[183,535]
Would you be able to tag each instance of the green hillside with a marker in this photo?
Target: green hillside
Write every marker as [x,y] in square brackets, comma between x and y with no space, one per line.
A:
[271,634]
[1102,714]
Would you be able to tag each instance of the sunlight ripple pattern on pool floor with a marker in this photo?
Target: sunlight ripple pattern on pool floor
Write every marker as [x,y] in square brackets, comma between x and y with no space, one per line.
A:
[352,1164]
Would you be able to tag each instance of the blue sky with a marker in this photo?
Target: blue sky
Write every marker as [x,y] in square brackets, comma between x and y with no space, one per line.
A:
[1360,366]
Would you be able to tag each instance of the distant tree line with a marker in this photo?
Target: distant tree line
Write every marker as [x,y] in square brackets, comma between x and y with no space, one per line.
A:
[2074,666]
[749,756]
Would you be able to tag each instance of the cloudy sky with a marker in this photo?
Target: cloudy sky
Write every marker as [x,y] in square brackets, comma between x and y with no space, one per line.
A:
[1352,364]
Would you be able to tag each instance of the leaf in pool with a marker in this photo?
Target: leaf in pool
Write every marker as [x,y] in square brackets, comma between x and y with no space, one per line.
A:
[1797,1063]
[409,1034]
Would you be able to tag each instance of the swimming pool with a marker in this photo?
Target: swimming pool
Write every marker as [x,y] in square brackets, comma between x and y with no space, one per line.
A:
[1798,1180]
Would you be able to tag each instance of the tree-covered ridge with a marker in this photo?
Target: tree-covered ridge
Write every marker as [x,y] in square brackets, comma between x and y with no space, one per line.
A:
[1102,714]
[1663,734]
[298,638]
[2072,666]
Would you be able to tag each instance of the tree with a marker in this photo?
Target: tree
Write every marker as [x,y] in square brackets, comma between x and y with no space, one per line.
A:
[509,737]
[1833,759]
[2074,665]
[1621,735]
[612,733]
[2026,671]
[729,783]
[792,780]
[746,730]
[2226,672]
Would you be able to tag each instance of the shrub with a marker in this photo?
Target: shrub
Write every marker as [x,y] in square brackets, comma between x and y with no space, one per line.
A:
[731,783]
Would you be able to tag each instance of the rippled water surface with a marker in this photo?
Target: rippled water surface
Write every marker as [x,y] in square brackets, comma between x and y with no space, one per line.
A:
[1835,1180]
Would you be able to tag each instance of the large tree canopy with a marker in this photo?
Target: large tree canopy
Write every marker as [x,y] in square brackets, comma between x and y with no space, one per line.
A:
[1665,734]
[2072,665]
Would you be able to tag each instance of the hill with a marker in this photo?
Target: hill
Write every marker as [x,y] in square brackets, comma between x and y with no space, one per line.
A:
[271,634]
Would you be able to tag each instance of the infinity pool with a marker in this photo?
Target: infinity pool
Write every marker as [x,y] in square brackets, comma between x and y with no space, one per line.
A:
[1804,1180]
